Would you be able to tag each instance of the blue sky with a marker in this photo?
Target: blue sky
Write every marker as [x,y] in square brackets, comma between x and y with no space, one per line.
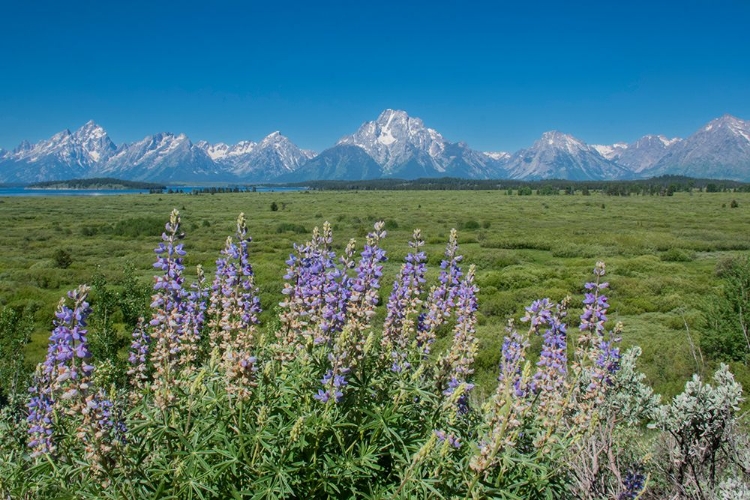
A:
[493,74]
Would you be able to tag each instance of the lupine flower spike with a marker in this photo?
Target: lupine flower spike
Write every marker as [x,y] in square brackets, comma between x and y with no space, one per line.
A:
[404,304]
[169,312]
[62,382]
[441,299]
[458,364]
[348,348]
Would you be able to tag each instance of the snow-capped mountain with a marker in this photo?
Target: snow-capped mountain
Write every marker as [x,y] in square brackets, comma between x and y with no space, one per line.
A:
[719,150]
[341,162]
[561,156]
[161,157]
[65,155]
[275,155]
[640,155]
[395,139]
[403,147]
[393,145]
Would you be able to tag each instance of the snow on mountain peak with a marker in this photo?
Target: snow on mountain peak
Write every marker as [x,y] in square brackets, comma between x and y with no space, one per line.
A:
[497,155]
[395,138]
[272,138]
[610,151]
[730,123]
[560,140]
[667,141]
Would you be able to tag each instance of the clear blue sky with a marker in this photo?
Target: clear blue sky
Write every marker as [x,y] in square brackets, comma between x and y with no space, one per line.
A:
[493,74]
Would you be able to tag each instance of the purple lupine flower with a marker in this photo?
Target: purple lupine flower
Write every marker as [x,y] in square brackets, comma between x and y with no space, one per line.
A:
[348,347]
[404,303]
[595,311]
[451,438]
[512,359]
[194,307]
[316,293]
[552,366]
[604,354]
[633,484]
[233,311]
[458,364]
[138,358]
[363,297]
[63,379]
[333,385]
[103,429]
[364,288]
[441,300]
[169,310]
[40,418]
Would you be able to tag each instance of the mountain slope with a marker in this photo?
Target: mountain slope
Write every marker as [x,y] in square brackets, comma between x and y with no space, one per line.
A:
[65,155]
[394,145]
[640,155]
[560,156]
[719,150]
[161,157]
[341,162]
[405,148]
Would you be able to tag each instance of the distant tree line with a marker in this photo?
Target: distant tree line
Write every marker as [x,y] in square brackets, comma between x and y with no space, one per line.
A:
[98,183]
[665,185]
[227,189]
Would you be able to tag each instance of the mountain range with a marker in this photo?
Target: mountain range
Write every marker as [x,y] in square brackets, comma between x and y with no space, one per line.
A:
[395,145]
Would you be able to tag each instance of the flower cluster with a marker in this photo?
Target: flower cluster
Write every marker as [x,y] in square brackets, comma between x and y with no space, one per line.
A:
[597,356]
[633,484]
[316,293]
[350,344]
[557,395]
[441,300]
[139,369]
[404,304]
[233,311]
[169,314]
[102,431]
[457,365]
[62,380]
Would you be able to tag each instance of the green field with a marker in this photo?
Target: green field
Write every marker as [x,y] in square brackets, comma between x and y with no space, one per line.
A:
[661,252]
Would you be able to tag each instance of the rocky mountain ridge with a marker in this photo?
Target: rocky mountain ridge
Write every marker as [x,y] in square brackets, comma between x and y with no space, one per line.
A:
[394,145]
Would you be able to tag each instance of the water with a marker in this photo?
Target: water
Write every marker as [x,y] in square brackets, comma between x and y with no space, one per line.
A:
[22,191]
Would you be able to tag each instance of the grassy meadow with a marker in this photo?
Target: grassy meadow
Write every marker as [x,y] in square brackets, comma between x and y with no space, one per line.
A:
[661,252]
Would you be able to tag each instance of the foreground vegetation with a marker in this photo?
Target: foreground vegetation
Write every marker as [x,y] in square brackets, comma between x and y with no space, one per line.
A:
[665,256]
[325,400]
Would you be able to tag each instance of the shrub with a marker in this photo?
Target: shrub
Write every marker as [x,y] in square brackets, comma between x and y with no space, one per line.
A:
[286,227]
[470,225]
[727,315]
[62,258]
[676,255]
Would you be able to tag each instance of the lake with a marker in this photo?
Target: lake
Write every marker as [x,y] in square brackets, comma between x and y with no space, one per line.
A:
[24,191]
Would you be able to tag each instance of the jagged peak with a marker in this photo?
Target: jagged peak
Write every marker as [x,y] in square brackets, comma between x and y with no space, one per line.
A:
[61,135]
[273,138]
[390,114]
[559,139]
[726,121]
[91,129]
